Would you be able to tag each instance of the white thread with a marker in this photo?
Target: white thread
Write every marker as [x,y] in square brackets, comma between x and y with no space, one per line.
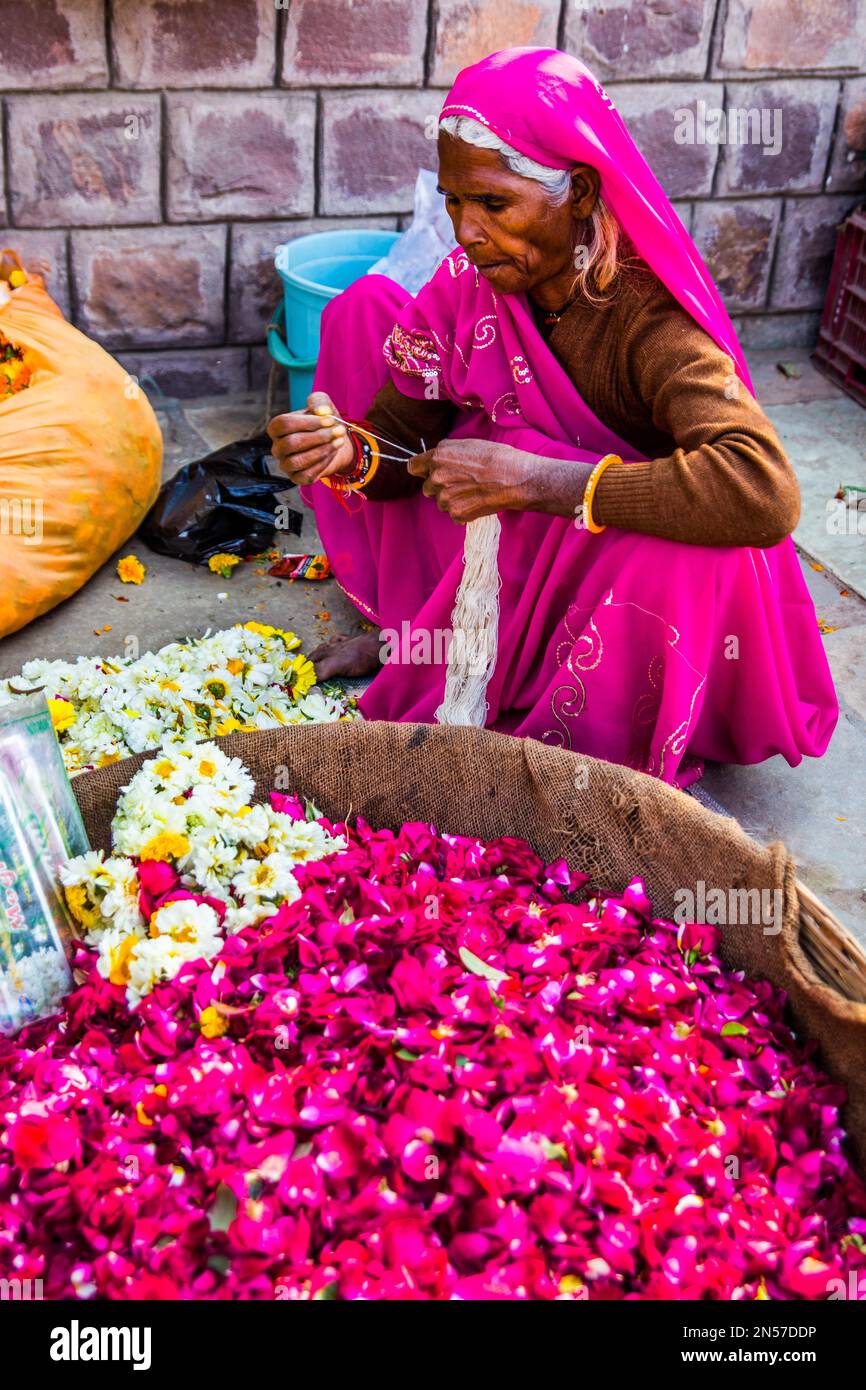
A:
[474,627]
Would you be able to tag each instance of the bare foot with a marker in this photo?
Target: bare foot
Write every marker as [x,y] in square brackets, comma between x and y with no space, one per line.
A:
[347,656]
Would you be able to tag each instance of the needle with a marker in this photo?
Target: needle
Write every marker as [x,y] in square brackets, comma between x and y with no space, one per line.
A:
[390,443]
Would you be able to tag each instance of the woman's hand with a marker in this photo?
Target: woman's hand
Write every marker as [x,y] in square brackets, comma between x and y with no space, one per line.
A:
[309,444]
[470,478]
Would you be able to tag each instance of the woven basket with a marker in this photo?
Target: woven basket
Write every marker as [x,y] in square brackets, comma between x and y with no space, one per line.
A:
[605,820]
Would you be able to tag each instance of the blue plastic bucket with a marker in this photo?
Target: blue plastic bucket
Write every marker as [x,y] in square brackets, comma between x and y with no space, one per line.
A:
[314,270]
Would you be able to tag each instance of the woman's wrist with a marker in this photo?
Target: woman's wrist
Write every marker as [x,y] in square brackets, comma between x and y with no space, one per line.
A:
[348,462]
[553,486]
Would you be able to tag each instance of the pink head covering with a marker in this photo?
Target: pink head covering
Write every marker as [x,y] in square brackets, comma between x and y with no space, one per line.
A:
[548,105]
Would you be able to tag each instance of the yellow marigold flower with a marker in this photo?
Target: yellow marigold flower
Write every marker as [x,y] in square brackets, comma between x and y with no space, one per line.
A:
[63,714]
[130,570]
[212,1023]
[164,847]
[108,758]
[119,957]
[265,630]
[206,767]
[169,685]
[228,726]
[304,673]
[261,629]
[570,1284]
[78,901]
[223,565]
[235,666]
[17,279]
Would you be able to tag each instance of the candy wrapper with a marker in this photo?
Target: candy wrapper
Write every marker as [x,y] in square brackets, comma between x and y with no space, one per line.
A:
[301,567]
[40,829]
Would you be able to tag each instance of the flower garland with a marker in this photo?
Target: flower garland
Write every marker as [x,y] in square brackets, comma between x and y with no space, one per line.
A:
[16,373]
[420,1070]
[247,677]
[193,859]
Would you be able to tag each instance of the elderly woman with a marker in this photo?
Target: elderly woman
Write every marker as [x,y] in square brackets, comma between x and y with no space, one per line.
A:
[574,405]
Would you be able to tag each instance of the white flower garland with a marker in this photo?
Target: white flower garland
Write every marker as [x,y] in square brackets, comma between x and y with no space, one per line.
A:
[246,677]
[189,809]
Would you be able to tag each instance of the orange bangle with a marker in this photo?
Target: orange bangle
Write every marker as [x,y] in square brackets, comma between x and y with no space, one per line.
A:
[590,490]
[364,470]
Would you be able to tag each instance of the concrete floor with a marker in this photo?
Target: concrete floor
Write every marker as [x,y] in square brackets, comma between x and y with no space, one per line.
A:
[818,808]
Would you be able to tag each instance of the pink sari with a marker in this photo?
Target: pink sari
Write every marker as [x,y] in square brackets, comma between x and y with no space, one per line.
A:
[641,651]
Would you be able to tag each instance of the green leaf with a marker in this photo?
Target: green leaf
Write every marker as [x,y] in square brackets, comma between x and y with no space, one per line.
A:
[406,1054]
[224,1209]
[218,1263]
[327,1293]
[480,967]
[551,1150]
[734,1030]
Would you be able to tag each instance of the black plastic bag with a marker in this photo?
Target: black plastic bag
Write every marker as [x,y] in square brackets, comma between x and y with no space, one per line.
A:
[225,503]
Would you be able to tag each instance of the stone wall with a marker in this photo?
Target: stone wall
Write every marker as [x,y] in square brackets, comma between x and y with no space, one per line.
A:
[155,151]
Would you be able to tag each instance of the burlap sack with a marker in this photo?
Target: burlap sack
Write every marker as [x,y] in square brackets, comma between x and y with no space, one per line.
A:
[605,820]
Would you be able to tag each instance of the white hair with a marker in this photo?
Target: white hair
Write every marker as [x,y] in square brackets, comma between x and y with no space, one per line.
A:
[599,263]
[556,181]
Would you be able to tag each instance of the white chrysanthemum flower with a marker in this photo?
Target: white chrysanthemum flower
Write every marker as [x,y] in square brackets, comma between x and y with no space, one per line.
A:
[320,708]
[302,840]
[188,921]
[187,690]
[112,887]
[159,958]
[246,914]
[269,878]
[132,834]
[114,948]
[84,868]
[120,902]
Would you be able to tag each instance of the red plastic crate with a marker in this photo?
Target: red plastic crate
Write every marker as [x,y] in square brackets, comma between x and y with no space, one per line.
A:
[840,352]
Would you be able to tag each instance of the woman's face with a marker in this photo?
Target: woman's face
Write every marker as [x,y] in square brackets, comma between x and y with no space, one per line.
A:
[507,224]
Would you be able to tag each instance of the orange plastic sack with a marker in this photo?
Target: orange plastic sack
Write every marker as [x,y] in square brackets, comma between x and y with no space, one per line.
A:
[80,455]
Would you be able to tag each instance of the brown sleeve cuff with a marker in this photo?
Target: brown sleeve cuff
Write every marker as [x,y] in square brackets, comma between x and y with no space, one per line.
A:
[625,498]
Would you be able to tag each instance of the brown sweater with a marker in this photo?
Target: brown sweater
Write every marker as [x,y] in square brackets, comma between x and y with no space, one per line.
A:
[717,474]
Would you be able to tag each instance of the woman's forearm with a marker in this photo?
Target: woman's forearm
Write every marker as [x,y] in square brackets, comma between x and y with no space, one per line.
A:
[553,486]
[734,494]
